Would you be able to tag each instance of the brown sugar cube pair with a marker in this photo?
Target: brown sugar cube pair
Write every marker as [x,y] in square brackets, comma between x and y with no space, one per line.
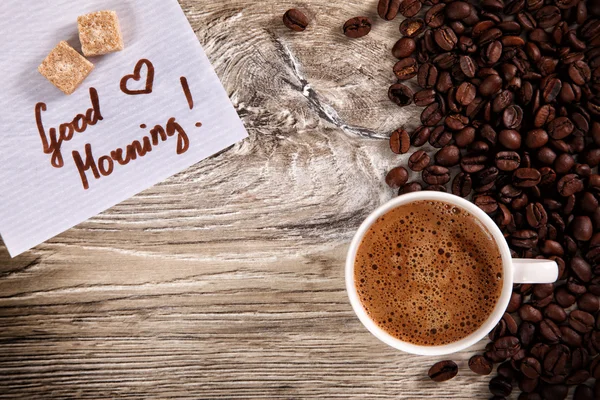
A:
[99,33]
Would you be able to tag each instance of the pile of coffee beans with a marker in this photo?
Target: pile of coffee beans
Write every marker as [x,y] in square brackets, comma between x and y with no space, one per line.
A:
[511,119]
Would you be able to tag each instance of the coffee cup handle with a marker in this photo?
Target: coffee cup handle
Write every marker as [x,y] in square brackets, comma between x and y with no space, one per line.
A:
[526,270]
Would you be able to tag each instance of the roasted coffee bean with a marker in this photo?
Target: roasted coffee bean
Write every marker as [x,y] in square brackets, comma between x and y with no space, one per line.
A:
[564,298]
[465,93]
[439,137]
[388,9]
[569,184]
[424,97]
[583,392]
[295,20]
[515,298]
[580,358]
[582,228]
[555,312]
[550,86]
[410,8]
[491,52]
[473,163]
[418,161]
[526,333]
[556,359]
[589,302]
[564,163]
[410,187]
[400,94]
[397,177]
[526,177]
[510,138]
[500,386]
[432,115]
[581,321]
[539,350]
[507,161]
[467,66]
[531,367]
[544,115]
[487,203]
[548,16]
[512,117]
[536,215]
[445,38]
[579,72]
[528,312]
[560,128]
[436,175]
[551,247]
[546,155]
[420,136]
[462,184]
[549,331]
[400,141]
[435,16]
[448,156]
[480,365]
[404,47]
[536,138]
[357,27]
[405,68]
[570,337]
[464,137]
[427,75]
[490,85]
[412,27]
[443,371]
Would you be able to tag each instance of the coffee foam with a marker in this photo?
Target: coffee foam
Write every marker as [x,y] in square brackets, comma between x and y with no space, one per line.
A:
[428,273]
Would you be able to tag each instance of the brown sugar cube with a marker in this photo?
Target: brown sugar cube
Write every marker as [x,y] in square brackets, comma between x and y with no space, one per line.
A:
[100,33]
[65,68]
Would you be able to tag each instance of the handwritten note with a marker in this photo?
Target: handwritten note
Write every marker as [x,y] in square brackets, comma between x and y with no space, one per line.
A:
[143,115]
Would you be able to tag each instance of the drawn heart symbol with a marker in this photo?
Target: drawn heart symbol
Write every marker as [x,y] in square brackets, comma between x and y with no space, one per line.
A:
[137,76]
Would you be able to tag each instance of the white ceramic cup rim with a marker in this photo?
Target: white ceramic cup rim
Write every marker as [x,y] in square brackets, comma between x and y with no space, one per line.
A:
[485,328]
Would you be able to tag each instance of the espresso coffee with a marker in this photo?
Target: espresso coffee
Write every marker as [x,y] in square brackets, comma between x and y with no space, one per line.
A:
[428,273]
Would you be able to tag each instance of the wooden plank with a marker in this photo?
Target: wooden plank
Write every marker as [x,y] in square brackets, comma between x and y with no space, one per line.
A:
[227,279]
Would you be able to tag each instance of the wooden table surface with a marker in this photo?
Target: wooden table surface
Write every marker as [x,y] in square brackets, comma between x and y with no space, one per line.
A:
[227,280]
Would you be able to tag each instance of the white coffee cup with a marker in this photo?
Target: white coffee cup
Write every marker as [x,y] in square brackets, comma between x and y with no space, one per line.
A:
[514,271]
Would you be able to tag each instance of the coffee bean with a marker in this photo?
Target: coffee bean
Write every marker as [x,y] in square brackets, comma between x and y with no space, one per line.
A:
[410,8]
[443,371]
[579,72]
[432,115]
[581,321]
[510,138]
[456,121]
[570,337]
[412,27]
[448,156]
[551,247]
[560,128]
[536,215]
[564,163]
[499,386]
[564,298]
[420,136]
[555,312]
[404,47]
[583,392]
[526,177]
[544,115]
[531,367]
[582,228]
[388,9]
[445,38]
[436,175]
[295,20]
[512,117]
[406,68]
[480,365]
[424,97]
[400,141]
[507,160]
[465,93]
[569,184]
[444,82]
[487,203]
[490,85]
[418,161]
[556,359]
[550,86]
[410,187]
[357,27]
[427,76]
[439,137]
[462,184]
[464,137]
[546,155]
[397,177]
[589,302]
[400,94]
[435,16]
[473,163]
[528,312]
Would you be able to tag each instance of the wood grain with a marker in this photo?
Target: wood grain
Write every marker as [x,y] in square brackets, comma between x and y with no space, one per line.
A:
[227,279]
